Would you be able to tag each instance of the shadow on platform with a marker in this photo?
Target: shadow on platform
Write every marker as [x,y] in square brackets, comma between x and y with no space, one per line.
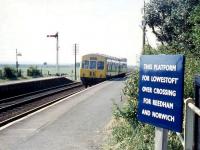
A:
[118,79]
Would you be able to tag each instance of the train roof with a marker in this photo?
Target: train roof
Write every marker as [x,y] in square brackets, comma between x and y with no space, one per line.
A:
[107,56]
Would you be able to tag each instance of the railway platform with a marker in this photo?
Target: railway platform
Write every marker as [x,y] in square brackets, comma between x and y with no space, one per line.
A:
[28,80]
[74,123]
[14,88]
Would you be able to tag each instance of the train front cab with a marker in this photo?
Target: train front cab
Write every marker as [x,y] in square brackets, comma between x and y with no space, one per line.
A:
[92,70]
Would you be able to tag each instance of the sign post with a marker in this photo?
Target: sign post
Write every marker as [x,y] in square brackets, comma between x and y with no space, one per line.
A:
[160,104]
[57,55]
[161,138]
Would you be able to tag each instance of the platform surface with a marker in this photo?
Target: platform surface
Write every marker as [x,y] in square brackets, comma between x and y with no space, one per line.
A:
[76,123]
[29,80]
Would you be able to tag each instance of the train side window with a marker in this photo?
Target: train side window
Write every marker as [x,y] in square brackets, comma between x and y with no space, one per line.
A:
[93,64]
[85,64]
[100,65]
[109,66]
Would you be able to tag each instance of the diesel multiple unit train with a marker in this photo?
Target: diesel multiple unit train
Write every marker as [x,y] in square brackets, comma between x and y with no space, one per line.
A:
[98,67]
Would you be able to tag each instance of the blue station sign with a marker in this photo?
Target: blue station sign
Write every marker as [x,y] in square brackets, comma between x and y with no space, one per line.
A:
[161,83]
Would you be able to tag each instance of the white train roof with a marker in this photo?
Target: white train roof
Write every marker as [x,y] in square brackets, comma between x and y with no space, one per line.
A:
[108,57]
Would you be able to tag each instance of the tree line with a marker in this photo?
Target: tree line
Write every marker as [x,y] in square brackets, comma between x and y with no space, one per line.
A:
[11,73]
[176,25]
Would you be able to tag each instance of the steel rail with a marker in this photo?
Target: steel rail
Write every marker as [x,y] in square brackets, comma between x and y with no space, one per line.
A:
[24,100]
[9,120]
[34,92]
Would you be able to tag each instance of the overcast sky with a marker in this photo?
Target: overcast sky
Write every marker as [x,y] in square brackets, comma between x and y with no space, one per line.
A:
[111,27]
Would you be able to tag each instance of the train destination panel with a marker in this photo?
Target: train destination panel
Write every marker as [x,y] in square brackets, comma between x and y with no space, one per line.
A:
[161,83]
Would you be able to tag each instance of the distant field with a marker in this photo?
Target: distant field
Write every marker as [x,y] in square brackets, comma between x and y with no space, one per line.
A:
[50,70]
[67,70]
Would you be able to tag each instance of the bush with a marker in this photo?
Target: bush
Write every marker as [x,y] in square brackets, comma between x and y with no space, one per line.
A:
[9,72]
[191,69]
[124,136]
[129,110]
[33,72]
[128,133]
[19,74]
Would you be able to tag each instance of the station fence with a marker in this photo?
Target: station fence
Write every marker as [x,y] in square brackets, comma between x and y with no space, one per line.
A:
[189,124]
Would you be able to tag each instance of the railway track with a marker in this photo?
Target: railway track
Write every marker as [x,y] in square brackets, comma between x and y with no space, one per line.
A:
[13,108]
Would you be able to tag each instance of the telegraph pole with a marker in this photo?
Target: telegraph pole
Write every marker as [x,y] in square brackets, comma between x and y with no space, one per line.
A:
[75,52]
[57,54]
[144,30]
[16,62]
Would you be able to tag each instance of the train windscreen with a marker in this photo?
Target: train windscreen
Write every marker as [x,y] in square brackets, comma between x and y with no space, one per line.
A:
[85,64]
[93,64]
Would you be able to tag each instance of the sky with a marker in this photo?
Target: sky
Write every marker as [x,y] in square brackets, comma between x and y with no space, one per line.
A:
[111,27]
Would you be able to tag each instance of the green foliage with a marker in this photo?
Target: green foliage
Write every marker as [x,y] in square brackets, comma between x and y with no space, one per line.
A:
[191,69]
[128,133]
[33,71]
[124,136]
[169,21]
[19,73]
[174,142]
[9,72]
[157,18]
[131,85]
[129,111]
[195,34]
